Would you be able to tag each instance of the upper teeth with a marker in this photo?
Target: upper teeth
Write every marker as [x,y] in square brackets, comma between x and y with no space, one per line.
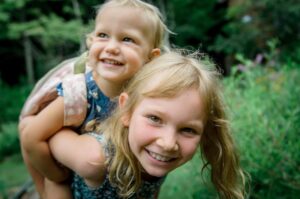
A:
[112,62]
[159,157]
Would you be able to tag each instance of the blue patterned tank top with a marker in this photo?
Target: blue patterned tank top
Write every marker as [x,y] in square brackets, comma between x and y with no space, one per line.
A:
[81,190]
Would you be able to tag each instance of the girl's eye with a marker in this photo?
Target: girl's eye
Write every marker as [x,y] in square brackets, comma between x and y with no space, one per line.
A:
[127,39]
[189,131]
[102,35]
[154,119]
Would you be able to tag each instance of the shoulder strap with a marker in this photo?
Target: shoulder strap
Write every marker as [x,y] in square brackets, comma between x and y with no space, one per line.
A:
[80,64]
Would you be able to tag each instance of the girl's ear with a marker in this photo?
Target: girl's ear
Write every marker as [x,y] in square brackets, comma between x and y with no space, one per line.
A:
[154,53]
[122,101]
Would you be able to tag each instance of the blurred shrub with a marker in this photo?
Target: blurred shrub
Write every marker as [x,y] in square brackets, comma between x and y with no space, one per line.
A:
[187,182]
[2,190]
[265,115]
[252,22]
[9,140]
[11,101]
[194,22]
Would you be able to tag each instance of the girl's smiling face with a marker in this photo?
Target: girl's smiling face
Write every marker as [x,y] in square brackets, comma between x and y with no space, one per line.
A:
[164,133]
[121,44]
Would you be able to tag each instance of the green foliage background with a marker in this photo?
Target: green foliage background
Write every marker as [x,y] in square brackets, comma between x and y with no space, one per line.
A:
[262,95]
[265,116]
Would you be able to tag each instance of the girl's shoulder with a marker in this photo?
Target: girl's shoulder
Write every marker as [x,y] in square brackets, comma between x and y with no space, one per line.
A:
[101,139]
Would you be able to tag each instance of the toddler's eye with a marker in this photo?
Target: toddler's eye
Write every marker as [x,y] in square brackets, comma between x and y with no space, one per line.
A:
[154,119]
[128,39]
[102,35]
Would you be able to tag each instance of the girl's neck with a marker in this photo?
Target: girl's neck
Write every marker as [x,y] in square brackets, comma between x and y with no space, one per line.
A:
[109,89]
[149,178]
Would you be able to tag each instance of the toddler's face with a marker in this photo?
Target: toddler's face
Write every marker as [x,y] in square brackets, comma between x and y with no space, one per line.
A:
[122,43]
[164,133]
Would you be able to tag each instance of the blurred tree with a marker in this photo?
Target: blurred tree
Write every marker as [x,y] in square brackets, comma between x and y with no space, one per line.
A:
[196,24]
[41,33]
[192,20]
[252,23]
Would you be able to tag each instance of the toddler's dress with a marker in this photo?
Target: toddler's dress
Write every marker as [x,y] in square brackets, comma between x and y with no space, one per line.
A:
[97,108]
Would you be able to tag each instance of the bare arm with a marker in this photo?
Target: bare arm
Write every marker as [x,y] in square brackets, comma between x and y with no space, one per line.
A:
[81,153]
[35,137]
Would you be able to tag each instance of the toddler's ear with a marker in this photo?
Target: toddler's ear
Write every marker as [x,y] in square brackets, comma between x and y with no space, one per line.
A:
[89,40]
[122,101]
[154,53]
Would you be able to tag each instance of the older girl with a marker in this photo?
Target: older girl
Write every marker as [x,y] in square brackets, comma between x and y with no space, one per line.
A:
[170,109]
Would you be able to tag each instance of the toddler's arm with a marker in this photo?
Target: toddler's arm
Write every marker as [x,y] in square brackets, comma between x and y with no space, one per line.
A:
[81,153]
[34,139]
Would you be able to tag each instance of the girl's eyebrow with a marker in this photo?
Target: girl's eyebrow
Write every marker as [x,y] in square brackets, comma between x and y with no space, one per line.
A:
[154,112]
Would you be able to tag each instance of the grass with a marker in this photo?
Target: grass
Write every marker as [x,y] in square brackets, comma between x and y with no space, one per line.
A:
[186,182]
[13,175]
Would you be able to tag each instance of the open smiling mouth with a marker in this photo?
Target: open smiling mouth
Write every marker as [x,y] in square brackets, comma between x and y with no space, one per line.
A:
[160,157]
[111,62]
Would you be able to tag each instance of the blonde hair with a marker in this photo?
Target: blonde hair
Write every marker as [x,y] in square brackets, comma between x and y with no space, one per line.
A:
[176,73]
[154,18]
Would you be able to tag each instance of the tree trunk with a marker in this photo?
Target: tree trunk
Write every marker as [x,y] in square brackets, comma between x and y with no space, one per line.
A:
[28,60]
[77,13]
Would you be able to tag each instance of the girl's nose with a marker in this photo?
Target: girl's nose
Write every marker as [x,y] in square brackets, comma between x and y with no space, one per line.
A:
[112,47]
[168,140]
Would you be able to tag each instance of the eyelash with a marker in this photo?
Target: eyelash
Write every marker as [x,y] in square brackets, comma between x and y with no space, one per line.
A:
[125,39]
[189,131]
[154,119]
[128,39]
[102,35]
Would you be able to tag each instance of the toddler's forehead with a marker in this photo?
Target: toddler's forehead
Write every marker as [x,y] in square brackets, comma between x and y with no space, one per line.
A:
[137,14]
[133,17]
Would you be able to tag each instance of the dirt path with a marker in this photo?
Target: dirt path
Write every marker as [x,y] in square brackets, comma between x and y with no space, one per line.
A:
[26,191]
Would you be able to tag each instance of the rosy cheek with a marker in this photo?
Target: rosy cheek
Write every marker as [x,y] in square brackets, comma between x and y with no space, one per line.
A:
[92,59]
[91,62]
[190,148]
[147,132]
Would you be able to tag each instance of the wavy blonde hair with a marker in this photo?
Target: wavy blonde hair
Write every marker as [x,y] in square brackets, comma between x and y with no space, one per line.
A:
[154,17]
[176,73]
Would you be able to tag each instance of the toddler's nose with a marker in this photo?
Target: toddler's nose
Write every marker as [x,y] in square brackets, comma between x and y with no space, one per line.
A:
[112,47]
